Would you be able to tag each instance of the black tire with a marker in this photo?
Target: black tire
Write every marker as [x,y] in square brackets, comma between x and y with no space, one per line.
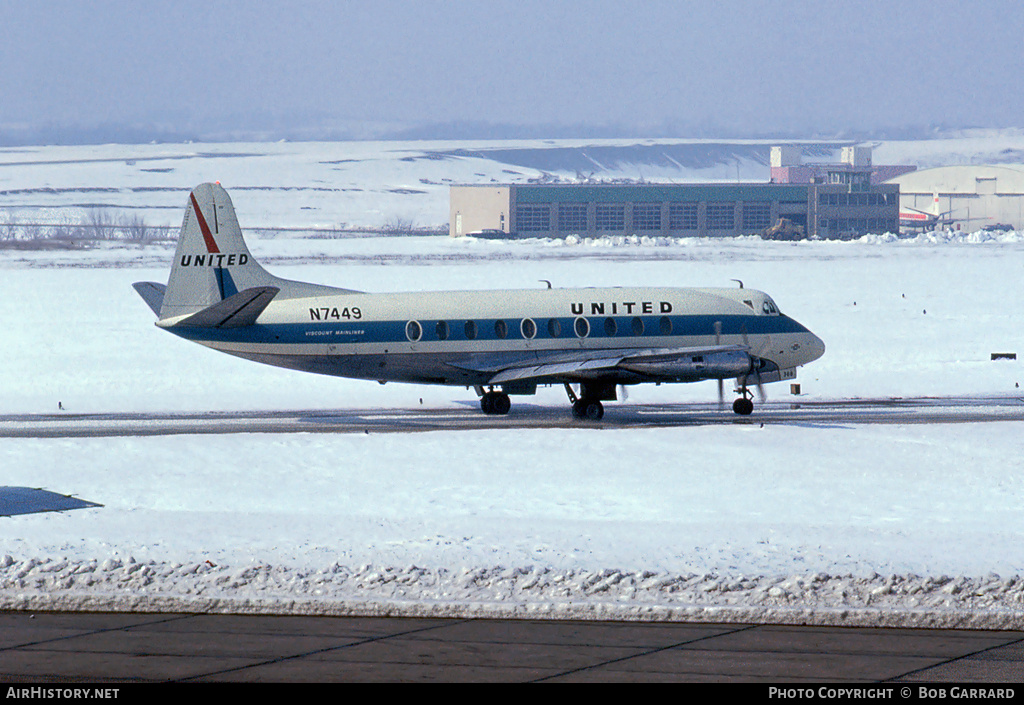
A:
[487,403]
[743,406]
[500,404]
[588,410]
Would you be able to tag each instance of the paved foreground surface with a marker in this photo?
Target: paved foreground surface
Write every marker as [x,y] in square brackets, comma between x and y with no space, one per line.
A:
[917,410]
[90,647]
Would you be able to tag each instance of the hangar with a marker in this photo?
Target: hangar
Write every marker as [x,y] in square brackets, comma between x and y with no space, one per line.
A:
[973,196]
[848,205]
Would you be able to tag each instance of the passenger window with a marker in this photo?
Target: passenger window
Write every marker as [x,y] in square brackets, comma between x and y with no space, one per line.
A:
[666,325]
[470,330]
[500,329]
[582,327]
[413,331]
[442,330]
[638,326]
[610,327]
[528,328]
[554,327]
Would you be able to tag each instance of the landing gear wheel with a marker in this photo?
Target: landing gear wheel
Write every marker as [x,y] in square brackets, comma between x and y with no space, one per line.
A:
[495,403]
[501,404]
[743,406]
[588,410]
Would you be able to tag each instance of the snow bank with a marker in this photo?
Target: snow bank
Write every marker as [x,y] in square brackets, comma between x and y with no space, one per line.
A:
[947,237]
[989,602]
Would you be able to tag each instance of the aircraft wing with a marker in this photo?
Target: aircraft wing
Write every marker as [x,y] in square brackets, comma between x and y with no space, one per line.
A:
[587,364]
[575,368]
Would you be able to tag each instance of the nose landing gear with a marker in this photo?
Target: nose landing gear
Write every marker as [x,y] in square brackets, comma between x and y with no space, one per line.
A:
[743,406]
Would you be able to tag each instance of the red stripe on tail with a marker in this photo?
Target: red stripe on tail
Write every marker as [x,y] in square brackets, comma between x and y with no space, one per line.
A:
[211,245]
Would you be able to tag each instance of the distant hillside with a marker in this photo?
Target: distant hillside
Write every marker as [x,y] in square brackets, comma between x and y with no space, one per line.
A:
[335,186]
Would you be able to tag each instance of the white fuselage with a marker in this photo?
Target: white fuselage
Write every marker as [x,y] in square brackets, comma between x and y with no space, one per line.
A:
[462,337]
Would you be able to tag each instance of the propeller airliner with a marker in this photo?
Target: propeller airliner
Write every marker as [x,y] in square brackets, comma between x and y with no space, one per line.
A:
[500,343]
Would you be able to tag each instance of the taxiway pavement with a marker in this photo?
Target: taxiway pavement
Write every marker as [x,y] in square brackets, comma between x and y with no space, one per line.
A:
[917,410]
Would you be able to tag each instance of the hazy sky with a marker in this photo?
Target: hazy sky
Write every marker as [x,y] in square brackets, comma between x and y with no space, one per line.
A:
[744,66]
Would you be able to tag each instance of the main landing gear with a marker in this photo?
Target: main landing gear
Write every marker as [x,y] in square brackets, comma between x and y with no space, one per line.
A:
[495,403]
[588,406]
[587,410]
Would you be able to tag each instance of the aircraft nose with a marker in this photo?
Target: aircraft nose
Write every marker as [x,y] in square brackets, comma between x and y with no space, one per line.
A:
[813,348]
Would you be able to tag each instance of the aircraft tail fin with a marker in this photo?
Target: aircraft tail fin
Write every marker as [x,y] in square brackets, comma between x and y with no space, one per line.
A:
[212,262]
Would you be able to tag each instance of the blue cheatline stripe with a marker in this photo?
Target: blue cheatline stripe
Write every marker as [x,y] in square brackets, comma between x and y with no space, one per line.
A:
[395,331]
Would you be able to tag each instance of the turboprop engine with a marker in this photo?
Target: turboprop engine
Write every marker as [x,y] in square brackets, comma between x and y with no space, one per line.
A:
[690,368]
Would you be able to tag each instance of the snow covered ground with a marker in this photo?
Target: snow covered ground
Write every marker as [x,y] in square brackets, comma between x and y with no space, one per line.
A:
[836,524]
[842,523]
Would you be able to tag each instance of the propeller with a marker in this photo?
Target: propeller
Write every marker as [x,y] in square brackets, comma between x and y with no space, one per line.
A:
[755,360]
[761,395]
[721,382]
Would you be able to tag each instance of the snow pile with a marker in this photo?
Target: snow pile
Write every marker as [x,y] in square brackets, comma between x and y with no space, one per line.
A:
[609,241]
[989,602]
[947,237]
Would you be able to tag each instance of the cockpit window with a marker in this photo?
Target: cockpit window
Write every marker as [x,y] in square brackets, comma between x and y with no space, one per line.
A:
[769,308]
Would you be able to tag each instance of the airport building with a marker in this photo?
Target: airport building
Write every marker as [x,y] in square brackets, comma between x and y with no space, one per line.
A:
[843,199]
[789,167]
[847,207]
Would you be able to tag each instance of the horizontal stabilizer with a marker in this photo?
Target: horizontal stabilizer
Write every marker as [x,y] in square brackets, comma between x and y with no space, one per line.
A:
[152,293]
[236,311]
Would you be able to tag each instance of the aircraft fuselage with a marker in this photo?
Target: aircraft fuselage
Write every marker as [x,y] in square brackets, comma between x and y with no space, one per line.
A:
[463,337]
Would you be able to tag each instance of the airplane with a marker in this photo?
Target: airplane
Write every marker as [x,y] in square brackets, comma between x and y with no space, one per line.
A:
[500,343]
[931,218]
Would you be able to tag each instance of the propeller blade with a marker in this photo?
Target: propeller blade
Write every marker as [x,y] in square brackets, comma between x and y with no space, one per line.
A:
[721,382]
[760,387]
